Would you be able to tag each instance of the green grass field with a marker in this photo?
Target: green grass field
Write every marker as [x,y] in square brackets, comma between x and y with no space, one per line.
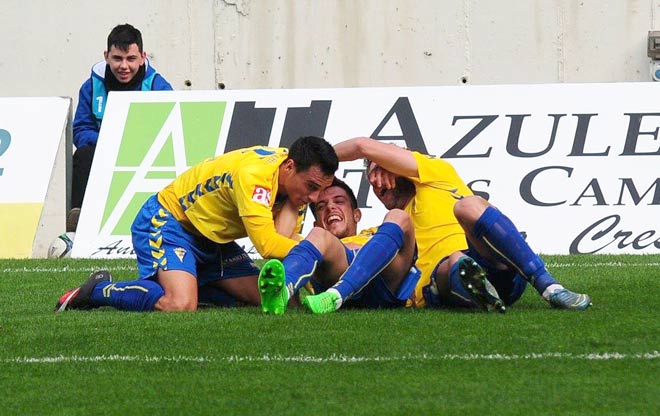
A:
[531,361]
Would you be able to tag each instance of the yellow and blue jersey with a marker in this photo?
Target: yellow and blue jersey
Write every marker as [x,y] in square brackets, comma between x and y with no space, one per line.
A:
[232,196]
[361,238]
[437,230]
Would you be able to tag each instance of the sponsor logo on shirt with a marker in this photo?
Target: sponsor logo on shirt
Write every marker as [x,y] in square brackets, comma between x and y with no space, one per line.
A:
[261,195]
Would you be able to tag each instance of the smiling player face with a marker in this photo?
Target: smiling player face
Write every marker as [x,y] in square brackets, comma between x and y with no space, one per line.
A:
[335,213]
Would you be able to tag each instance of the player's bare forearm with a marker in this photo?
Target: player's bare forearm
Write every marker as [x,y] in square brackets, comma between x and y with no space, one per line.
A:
[391,157]
[349,149]
[286,220]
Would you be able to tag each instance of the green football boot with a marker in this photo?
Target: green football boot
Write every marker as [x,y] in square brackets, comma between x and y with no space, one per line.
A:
[325,302]
[474,280]
[303,292]
[272,288]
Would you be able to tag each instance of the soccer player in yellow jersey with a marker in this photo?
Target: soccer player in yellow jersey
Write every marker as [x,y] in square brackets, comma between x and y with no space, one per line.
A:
[373,269]
[470,254]
[184,236]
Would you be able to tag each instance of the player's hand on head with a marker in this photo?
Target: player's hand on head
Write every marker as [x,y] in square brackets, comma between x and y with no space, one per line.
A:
[381,178]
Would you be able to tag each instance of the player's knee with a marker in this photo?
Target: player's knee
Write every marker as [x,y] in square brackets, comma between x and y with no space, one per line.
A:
[470,208]
[400,218]
[316,233]
[172,304]
[184,306]
[320,238]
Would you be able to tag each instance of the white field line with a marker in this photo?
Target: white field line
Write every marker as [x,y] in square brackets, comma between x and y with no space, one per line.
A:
[66,269]
[606,356]
[604,264]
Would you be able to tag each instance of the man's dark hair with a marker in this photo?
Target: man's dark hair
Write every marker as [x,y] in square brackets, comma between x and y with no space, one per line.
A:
[340,184]
[123,36]
[311,150]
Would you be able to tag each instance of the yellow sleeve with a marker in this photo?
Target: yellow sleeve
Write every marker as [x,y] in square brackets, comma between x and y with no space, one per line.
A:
[262,233]
[254,193]
[439,173]
[433,169]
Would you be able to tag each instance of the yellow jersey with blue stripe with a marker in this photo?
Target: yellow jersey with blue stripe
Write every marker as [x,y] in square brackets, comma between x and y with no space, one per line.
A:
[355,241]
[232,196]
[437,230]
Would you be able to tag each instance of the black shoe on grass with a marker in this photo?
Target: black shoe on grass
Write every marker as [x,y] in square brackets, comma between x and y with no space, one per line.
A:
[79,298]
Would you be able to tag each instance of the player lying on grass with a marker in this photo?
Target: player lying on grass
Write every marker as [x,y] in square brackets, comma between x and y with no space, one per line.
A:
[184,236]
[374,269]
[461,238]
[441,207]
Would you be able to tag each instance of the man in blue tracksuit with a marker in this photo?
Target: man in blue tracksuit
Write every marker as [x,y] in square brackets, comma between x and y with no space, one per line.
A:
[125,68]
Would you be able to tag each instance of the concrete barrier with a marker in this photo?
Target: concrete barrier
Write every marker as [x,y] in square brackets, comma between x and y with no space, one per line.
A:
[35,147]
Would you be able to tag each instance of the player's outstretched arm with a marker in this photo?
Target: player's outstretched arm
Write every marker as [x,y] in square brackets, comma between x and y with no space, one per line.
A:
[393,158]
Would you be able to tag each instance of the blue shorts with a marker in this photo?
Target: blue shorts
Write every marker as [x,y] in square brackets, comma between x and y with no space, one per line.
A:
[376,294]
[160,242]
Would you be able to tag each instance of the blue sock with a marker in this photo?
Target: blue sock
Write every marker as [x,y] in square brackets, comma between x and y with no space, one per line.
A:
[136,295]
[462,297]
[372,258]
[498,232]
[300,264]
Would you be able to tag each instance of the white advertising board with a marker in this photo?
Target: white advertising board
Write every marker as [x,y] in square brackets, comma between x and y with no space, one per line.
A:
[576,166]
[32,132]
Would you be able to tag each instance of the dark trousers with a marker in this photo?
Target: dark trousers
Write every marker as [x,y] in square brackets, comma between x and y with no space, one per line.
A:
[82,164]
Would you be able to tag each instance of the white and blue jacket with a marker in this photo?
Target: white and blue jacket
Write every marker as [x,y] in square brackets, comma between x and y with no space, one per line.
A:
[92,99]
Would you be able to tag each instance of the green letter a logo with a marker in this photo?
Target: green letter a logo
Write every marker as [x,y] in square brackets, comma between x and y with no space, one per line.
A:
[160,141]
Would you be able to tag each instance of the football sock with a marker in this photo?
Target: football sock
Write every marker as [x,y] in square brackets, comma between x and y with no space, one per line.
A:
[136,295]
[372,258]
[300,264]
[461,297]
[498,232]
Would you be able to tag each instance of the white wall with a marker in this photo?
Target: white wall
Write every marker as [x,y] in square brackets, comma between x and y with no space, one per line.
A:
[427,42]
[49,46]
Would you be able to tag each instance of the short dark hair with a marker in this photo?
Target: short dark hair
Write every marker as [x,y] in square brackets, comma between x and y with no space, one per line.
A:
[123,36]
[311,150]
[340,184]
